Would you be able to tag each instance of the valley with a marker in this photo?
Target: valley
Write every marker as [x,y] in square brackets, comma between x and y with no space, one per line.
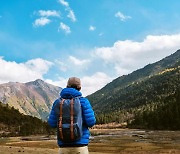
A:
[136,104]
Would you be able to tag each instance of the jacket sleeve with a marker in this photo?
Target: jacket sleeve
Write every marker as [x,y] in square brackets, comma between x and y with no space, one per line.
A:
[88,113]
[52,120]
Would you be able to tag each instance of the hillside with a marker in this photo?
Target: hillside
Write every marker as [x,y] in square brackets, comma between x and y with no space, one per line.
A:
[14,123]
[154,89]
[33,98]
[164,115]
[142,92]
[136,88]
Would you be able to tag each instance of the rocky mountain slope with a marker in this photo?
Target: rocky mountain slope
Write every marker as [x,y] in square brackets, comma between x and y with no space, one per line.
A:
[33,98]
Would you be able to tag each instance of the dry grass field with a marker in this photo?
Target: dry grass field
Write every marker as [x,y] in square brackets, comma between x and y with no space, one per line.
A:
[103,141]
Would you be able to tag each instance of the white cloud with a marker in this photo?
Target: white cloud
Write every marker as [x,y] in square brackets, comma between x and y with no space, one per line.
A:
[41,22]
[44,17]
[78,62]
[70,62]
[39,65]
[127,56]
[90,84]
[121,16]
[92,28]
[61,82]
[71,15]
[65,28]
[62,66]
[64,3]
[23,72]
[49,13]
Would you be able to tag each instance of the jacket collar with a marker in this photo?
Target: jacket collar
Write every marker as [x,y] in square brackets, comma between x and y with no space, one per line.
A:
[68,93]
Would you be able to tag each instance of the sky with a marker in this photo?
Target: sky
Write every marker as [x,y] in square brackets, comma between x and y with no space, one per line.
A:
[96,41]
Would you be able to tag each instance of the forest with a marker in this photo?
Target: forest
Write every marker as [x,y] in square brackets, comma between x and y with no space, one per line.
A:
[151,104]
[160,116]
[14,123]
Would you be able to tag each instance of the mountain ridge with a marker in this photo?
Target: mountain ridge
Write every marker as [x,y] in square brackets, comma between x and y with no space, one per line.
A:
[33,98]
[117,92]
[166,62]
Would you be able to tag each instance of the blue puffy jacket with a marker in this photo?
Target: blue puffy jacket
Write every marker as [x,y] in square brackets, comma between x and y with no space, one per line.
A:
[87,115]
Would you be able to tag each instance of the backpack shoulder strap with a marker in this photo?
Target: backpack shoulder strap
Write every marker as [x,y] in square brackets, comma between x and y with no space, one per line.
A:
[60,117]
[72,118]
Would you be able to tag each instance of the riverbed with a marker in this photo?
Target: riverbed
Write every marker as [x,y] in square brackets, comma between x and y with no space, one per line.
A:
[102,141]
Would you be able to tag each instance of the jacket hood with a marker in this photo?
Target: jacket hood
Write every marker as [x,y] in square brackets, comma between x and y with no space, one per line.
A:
[69,93]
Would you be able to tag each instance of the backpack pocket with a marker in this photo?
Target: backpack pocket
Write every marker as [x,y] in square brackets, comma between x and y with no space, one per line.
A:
[66,131]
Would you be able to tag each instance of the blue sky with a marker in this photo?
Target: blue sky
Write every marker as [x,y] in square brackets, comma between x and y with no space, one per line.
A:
[97,41]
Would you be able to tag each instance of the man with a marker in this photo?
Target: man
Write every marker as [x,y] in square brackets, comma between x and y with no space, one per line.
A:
[73,91]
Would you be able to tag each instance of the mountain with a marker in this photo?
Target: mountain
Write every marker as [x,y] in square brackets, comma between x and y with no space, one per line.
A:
[14,123]
[32,98]
[141,90]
